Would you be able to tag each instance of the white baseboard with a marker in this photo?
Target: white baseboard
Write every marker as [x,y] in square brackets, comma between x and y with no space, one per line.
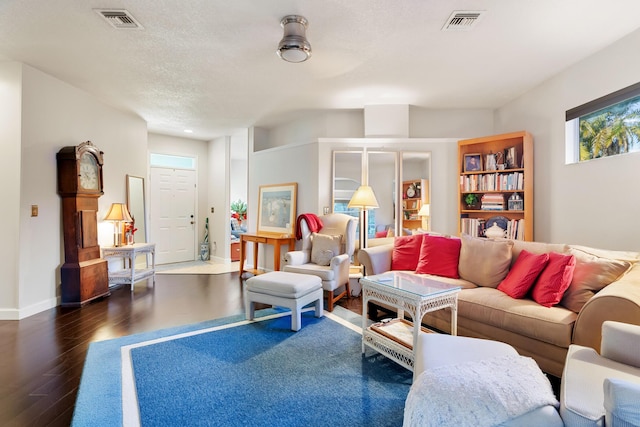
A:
[21,313]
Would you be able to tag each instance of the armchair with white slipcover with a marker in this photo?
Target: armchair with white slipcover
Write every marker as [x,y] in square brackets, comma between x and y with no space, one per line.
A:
[326,253]
[603,389]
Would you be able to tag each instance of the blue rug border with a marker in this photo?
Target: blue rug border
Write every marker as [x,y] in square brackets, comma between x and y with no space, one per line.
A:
[104,357]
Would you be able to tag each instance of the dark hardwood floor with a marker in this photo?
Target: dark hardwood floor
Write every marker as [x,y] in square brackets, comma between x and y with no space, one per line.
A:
[42,356]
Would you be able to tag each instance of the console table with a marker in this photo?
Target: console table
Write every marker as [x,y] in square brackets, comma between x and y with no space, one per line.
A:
[130,274]
[267,239]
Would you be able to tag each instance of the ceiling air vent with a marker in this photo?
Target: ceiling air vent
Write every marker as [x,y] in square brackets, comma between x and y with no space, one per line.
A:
[119,19]
[463,20]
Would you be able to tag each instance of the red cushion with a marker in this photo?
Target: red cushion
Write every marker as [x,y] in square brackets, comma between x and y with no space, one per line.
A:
[406,252]
[554,279]
[381,233]
[439,256]
[523,274]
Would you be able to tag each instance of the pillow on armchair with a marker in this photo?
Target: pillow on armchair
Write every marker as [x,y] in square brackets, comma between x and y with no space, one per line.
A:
[324,247]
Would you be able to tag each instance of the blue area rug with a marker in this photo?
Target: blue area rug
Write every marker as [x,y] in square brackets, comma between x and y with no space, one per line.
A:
[258,374]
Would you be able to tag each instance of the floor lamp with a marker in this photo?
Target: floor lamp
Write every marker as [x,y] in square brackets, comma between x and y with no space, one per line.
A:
[118,213]
[425,213]
[363,199]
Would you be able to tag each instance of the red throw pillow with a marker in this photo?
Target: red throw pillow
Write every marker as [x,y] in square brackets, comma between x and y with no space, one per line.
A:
[523,274]
[439,256]
[381,234]
[554,279]
[406,252]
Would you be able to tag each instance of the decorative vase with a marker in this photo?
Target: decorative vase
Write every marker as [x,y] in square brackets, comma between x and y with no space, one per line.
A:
[204,251]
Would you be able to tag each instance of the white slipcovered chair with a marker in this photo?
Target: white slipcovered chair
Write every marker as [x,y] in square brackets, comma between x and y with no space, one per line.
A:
[603,389]
[330,258]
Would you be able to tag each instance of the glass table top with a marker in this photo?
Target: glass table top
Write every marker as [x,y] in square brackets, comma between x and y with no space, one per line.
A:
[414,284]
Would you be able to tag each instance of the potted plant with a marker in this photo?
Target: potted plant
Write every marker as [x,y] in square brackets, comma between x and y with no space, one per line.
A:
[240,208]
[471,200]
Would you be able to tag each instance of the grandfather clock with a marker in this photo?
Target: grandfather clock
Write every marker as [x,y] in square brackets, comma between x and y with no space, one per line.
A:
[84,274]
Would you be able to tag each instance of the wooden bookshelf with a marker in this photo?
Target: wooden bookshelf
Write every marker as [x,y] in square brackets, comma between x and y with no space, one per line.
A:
[512,183]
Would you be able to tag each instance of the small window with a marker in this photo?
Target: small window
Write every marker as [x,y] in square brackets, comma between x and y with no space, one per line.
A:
[607,126]
[169,161]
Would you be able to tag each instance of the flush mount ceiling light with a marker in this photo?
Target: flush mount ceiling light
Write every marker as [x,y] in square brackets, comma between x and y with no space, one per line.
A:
[294,46]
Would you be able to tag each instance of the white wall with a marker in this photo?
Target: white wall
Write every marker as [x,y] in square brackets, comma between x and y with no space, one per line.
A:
[10,136]
[435,131]
[219,198]
[54,115]
[280,165]
[594,203]
[459,123]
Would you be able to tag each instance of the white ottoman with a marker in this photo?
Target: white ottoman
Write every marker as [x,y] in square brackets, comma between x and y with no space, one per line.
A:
[284,289]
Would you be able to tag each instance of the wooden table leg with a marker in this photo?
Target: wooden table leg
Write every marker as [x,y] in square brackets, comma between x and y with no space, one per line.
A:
[276,256]
[243,244]
[255,256]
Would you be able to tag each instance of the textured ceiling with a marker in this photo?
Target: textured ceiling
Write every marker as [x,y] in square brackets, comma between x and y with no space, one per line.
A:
[210,65]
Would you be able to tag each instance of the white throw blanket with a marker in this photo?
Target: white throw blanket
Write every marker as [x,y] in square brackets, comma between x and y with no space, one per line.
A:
[480,393]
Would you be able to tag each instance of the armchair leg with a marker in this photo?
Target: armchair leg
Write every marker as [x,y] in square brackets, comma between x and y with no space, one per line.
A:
[331,298]
[329,301]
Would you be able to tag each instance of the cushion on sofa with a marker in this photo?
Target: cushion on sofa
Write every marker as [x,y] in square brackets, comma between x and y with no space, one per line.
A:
[591,274]
[554,279]
[553,325]
[439,256]
[406,252]
[324,248]
[536,248]
[484,262]
[523,274]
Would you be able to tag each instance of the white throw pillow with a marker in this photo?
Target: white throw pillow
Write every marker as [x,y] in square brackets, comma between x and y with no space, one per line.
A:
[324,247]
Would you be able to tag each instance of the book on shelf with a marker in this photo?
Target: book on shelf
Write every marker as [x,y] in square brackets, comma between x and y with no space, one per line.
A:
[492,202]
[492,182]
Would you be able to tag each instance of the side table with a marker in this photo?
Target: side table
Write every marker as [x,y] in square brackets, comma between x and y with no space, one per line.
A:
[265,239]
[414,294]
[130,274]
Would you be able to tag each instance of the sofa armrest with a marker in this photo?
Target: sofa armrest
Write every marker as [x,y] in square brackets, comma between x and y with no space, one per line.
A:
[297,257]
[376,260]
[620,342]
[619,301]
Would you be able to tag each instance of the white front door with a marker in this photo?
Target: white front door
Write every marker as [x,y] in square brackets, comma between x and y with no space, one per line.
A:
[172,205]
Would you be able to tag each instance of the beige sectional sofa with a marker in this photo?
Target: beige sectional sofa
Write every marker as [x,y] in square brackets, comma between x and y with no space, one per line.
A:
[605,286]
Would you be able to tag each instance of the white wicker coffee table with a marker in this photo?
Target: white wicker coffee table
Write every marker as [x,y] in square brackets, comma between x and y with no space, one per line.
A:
[416,295]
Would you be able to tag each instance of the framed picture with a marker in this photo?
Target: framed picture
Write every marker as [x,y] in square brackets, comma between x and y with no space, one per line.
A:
[277,209]
[472,162]
[510,158]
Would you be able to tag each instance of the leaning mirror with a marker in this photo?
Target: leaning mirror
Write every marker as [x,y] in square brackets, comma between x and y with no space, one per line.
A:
[347,175]
[136,206]
[382,171]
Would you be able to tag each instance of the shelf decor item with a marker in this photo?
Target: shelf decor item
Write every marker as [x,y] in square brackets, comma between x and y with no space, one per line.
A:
[471,200]
[472,162]
[515,202]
